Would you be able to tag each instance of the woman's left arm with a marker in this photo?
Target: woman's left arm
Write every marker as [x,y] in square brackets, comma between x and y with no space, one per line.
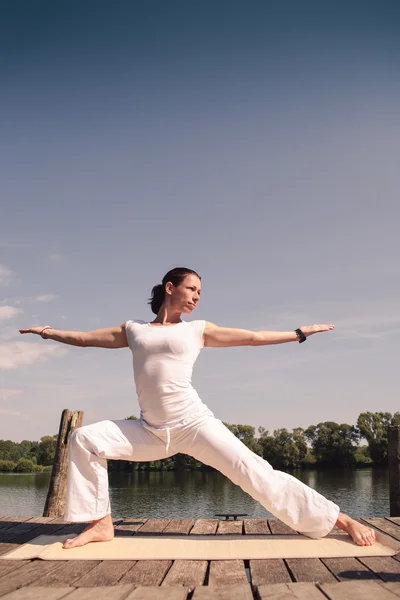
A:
[223,337]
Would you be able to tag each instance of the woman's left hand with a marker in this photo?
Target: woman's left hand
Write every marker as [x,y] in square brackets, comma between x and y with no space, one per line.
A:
[311,329]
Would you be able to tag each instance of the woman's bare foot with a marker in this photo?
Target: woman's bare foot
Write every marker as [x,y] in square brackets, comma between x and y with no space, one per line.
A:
[101,530]
[360,534]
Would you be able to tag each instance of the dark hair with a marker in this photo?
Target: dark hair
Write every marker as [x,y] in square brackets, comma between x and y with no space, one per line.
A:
[175,276]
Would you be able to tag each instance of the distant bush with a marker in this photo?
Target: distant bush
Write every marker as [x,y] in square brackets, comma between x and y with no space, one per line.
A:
[6,466]
[24,465]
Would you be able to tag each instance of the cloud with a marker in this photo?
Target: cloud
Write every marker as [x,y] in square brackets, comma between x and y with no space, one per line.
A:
[5,274]
[56,258]
[9,312]
[20,354]
[46,297]
[9,393]
[9,412]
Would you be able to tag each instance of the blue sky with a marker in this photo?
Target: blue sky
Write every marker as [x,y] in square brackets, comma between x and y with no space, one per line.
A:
[255,142]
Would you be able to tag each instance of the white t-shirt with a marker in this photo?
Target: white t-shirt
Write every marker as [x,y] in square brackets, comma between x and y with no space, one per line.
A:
[163,359]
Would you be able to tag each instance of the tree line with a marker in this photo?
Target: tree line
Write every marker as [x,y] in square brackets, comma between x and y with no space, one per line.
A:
[327,444]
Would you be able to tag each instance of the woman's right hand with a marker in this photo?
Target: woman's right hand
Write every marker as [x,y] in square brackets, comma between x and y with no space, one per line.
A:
[37,330]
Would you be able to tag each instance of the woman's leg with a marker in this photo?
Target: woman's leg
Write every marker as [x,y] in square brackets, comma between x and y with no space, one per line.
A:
[296,504]
[87,485]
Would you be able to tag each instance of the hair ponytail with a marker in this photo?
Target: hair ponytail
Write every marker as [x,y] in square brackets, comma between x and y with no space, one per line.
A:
[157,297]
[175,276]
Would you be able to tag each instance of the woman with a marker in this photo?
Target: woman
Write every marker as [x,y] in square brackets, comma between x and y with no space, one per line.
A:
[173,418]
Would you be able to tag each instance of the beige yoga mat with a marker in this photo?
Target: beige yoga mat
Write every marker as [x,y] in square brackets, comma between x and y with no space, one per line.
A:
[49,547]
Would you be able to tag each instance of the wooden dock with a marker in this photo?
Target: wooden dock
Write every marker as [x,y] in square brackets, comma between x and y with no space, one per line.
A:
[374,578]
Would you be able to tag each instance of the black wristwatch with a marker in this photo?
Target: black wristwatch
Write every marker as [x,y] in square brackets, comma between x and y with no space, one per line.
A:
[300,335]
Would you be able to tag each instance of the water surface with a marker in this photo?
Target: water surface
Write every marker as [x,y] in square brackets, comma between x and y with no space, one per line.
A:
[200,494]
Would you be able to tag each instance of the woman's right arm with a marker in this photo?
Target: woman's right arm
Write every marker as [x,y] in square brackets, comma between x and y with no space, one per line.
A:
[113,337]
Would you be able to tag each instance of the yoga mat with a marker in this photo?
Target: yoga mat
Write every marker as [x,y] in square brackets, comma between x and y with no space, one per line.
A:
[49,547]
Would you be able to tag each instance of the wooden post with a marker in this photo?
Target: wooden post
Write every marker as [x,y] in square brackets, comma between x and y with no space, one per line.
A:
[394,469]
[55,501]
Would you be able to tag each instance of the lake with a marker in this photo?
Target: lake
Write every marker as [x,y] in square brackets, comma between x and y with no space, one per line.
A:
[201,494]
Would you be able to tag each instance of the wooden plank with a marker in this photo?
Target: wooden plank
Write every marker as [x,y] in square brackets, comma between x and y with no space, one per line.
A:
[119,592]
[204,527]
[384,525]
[278,527]
[394,588]
[227,571]
[395,520]
[69,572]
[256,526]
[272,570]
[310,570]
[26,575]
[153,527]
[4,548]
[290,591]
[147,572]
[189,573]
[128,526]
[39,529]
[38,593]
[385,567]
[108,572]
[11,565]
[230,528]
[154,593]
[179,527]
[346,569]
[8,522]
[356,590]
[227,592]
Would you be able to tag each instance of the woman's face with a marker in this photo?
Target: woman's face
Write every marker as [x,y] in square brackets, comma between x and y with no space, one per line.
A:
[185,296]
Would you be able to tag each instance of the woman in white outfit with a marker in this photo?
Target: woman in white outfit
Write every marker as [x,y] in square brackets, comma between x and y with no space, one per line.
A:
[173,418]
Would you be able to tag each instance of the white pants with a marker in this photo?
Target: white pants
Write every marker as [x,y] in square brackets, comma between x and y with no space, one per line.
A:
[207,440]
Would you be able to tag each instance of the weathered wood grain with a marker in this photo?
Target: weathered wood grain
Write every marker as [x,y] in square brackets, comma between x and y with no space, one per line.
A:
[224,572]
[179,527]
[356,590]
[277,527]
[386,567]
[394,588]
[56,495]
[107,572]
[346,569]
[153,527]
[153,593]
[230,528]
[188,573]
[128,526]
[290,591]
[120,592]
[256,526]
[228,592]
[147,572]
[38,593]
[68,572]
[310,570]
[204,527]
[271,570]
[26,575]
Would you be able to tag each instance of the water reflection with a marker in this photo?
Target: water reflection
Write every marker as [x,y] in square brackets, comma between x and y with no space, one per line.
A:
[200,494]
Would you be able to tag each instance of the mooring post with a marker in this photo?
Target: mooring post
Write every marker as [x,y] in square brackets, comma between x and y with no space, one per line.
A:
[394,469]
[55,501]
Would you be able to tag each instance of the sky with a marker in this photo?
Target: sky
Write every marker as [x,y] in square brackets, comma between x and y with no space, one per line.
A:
[256,142]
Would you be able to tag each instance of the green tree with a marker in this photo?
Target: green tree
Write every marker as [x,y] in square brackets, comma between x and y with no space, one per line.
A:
[333,444]
[246,434]
[283,450]
[374,428]
[47,449]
